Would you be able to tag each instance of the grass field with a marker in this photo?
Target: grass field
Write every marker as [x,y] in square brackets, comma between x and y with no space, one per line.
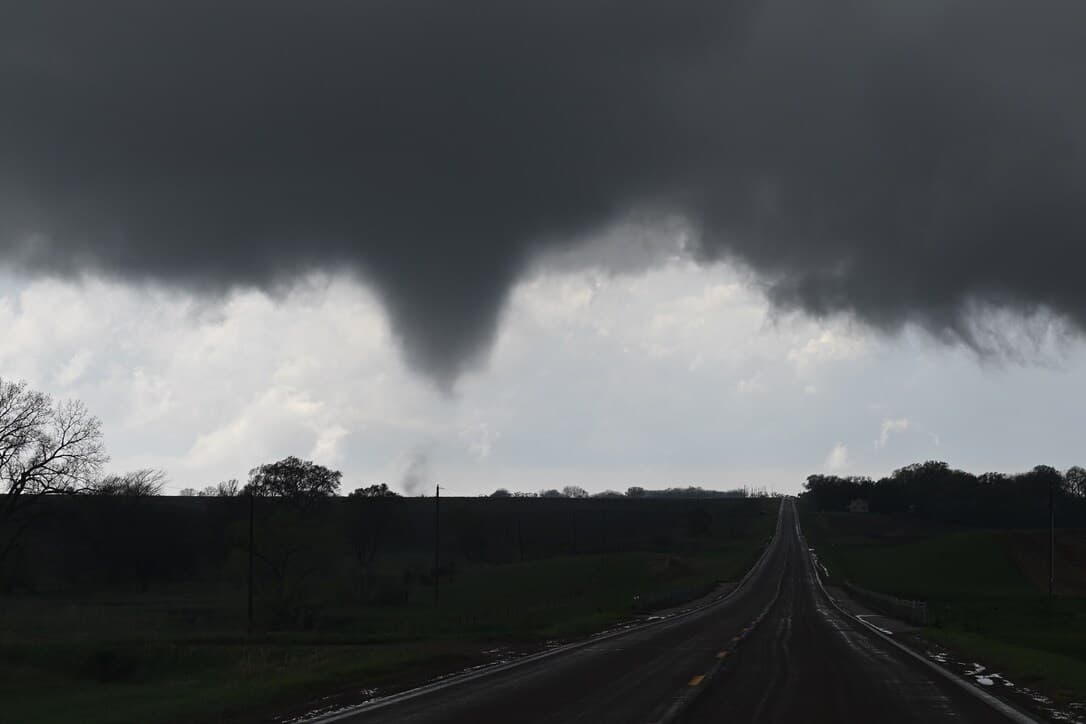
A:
[985,596]
[133,682]
[178,655]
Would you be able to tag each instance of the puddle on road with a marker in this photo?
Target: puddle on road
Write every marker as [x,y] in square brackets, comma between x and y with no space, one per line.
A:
[1073,713]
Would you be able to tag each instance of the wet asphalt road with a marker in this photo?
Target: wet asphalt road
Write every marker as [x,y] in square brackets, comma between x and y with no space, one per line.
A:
[800,660]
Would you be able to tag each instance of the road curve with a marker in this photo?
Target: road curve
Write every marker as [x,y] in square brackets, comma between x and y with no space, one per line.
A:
[776,650]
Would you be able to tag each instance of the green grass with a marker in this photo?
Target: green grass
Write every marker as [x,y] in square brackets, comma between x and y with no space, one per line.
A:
[146,683]
[179,655]
[556,597]
[952,565]
[1061,674]
[984,606]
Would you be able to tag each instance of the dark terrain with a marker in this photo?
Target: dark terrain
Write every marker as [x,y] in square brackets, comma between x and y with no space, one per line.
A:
[774,651]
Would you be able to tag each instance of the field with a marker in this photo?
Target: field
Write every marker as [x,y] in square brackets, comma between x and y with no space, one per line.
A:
[986,589]
[178,651]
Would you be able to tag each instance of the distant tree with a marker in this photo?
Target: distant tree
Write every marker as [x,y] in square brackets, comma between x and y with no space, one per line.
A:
[525,495]
[1041,477]
[1076,481]
[690,491]
[635,492]
[992,479]
[45,449]
[552,493]
[1047,472]
[188,493]
[574,491]
[135,484]
[936,491]
[830,492]
[293,550]
[300,481]
[374,491]
[501,493]
[223,489]
[608,494]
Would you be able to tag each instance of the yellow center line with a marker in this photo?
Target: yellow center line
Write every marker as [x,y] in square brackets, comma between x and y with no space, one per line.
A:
[696,680]
[722,654]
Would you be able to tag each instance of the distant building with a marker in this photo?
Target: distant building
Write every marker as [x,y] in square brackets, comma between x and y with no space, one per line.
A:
[858,506]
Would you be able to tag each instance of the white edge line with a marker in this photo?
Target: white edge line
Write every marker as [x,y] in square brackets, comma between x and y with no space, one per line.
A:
[865,616]
[999,705]
[458,679]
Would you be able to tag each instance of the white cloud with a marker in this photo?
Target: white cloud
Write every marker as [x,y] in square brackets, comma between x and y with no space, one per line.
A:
[673,376]
[891,427]
[751,385]
[828,345]
[214,388]
[71,370]
[479,438]
[327,448]
[837,460]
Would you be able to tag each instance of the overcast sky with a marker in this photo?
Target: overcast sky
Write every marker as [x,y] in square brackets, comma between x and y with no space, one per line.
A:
[679,375]
[531,244]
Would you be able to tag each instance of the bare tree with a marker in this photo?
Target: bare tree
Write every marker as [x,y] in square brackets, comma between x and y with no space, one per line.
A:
[45,449]
[135,484]
[222,489]
[1076,480]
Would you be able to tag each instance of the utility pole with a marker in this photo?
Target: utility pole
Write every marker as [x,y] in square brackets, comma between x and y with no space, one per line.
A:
[437,541]
[573,525]
[1051,536]
[520,539]
[252,497]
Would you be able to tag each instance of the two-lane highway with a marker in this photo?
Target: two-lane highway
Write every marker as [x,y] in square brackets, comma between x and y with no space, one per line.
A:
[809,662]
[776,650]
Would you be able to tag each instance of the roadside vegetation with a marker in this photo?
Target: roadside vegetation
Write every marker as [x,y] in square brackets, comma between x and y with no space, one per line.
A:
[120,604]
[177,651]
[986,585]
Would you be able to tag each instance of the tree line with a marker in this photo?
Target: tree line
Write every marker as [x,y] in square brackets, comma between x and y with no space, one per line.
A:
[690,491]
[314,557]
[935,490]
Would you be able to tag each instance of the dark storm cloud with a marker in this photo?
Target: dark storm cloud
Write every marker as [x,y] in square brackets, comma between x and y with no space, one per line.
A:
[900,160]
